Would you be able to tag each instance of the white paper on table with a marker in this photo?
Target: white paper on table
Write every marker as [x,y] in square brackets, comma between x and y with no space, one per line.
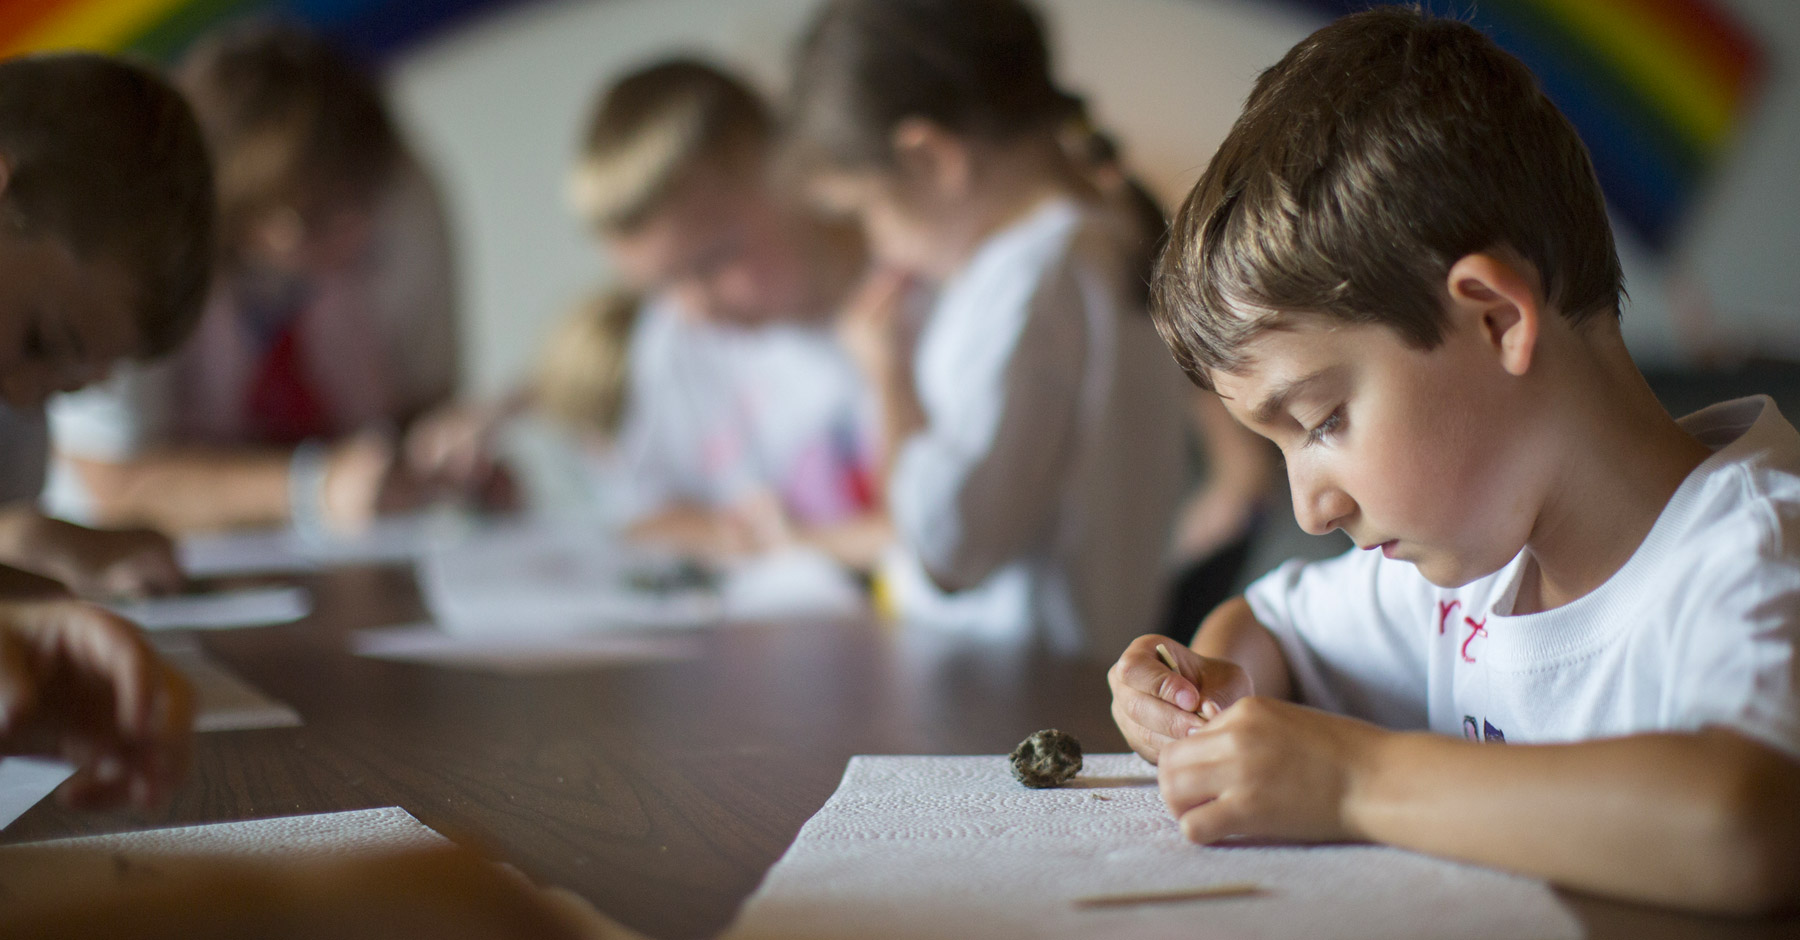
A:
[926,847]
[390,540]
[222,700]
[91,866]
[131,859]
[549,581]
[224,610]
[25,781]
[519,655]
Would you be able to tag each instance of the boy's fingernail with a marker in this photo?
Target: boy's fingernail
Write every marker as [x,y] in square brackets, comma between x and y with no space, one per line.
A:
[1186,700]
[1209,710]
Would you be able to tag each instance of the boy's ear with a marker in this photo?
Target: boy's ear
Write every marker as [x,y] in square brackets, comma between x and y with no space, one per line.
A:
[931,155]
[1500,298]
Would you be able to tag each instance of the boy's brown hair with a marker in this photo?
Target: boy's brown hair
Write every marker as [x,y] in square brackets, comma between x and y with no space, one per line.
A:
[1376,153]
[107,158]
[292,124]
[653,129]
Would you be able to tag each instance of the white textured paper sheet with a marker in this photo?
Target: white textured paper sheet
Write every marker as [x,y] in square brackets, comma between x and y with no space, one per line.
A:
[391,540]
[222,700]
[928,847]
[547,580]
[100,863]
[320,835]
[225,610]
[24,781]
[426,644]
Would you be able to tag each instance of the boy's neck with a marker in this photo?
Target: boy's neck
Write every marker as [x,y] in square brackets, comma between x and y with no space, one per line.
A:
[1629,459]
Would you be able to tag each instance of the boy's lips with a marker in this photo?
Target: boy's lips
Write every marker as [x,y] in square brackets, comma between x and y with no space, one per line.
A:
[1387,547]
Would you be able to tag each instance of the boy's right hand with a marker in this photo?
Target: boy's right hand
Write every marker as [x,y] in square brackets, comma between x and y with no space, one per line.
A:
[1154,705]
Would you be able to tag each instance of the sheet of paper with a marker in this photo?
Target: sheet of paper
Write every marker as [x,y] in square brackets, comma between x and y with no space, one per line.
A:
[393,540]
[225,610]
[223,700]
[24,781]
[89,868]
[426,644]
[562,581]
[129,859]
[925,847]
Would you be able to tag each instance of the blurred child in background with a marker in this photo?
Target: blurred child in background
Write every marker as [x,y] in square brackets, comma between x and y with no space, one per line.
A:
[1033,442]
[106,223]
[743,425]
[331,320]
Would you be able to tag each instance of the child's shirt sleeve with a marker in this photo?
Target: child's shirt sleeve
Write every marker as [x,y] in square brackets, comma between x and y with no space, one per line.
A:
[1351,630]
[1734,660]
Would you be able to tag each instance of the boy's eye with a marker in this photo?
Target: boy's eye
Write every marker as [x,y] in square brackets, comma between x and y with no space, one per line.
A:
[1333,423]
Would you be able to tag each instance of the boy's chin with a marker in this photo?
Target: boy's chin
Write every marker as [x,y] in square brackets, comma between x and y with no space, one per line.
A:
[1451,573]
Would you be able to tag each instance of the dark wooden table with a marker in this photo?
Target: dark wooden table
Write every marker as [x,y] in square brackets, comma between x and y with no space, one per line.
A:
[661,792]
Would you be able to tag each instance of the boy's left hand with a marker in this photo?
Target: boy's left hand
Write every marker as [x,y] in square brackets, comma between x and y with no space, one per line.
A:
[1265,768]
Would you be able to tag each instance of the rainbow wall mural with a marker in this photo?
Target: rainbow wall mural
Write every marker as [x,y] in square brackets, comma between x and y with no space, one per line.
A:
[1660,89]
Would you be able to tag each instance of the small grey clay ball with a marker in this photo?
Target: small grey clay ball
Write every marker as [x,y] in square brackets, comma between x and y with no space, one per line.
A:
[1048,758]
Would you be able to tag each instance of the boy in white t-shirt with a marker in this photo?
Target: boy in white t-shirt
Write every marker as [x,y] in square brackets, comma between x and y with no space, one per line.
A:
[1398,268]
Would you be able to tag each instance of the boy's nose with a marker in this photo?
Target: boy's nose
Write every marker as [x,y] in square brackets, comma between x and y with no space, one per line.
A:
[1318,507]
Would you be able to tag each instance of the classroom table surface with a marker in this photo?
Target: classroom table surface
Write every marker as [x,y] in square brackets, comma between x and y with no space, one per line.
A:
[662,791]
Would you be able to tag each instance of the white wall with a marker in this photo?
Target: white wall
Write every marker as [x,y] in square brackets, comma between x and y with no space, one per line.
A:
[496,108]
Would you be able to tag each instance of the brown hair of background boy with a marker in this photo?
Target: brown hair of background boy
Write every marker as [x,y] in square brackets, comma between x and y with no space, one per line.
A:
[1313,205]
[132,190]
[106,244]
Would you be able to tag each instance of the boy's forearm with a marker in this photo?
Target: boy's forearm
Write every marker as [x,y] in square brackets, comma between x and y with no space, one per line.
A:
[189,490]
[1231,632]
[1707,821]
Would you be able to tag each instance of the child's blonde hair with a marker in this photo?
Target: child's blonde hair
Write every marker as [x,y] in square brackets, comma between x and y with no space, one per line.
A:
[585,367]
[649,132]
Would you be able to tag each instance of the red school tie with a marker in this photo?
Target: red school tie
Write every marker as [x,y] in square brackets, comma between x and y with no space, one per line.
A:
[282,407]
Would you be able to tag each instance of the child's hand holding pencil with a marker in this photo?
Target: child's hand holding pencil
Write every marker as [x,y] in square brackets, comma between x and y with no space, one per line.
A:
[1163,691]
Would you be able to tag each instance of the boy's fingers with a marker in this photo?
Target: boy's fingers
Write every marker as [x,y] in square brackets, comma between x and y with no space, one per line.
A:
[1144,671]
[18,687]
[1212,821]
[1157,716]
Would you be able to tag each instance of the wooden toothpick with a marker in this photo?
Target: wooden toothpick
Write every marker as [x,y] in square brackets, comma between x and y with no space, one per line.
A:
[1235,889]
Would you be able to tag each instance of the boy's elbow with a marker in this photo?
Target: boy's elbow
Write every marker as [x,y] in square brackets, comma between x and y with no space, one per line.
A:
[1757,831]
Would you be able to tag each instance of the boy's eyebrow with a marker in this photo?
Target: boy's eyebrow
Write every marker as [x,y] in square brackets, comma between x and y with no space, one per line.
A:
[1271,406]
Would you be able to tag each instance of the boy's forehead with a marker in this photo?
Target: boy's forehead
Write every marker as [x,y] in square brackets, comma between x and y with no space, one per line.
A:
[1279,362]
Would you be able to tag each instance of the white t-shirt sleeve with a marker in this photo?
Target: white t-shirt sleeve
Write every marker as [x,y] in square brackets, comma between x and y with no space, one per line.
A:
[115,420]
[980,485]
[1353,634]
[1736,658]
